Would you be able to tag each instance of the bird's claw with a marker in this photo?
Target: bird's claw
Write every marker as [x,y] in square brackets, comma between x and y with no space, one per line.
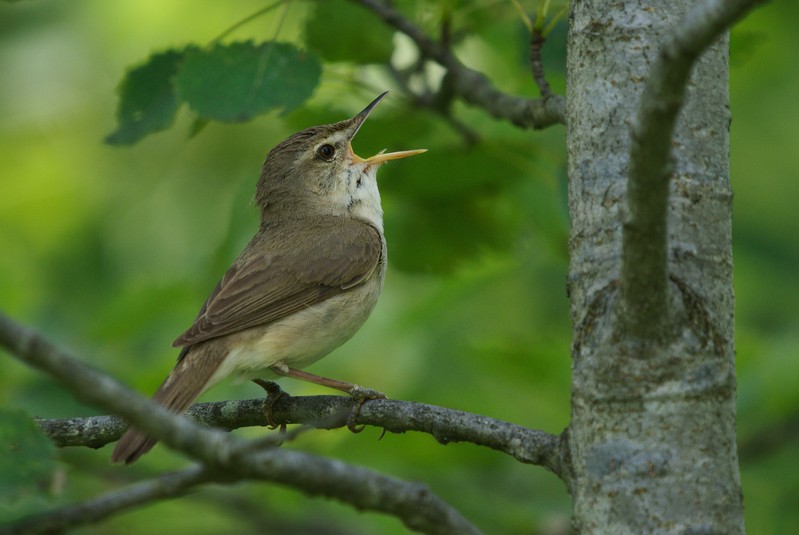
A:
[273,393]
[361,395]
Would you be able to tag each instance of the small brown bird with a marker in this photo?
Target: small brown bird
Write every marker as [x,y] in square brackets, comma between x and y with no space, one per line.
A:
[304,284]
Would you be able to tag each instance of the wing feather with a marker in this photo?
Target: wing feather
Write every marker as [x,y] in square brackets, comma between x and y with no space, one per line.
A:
[286,270]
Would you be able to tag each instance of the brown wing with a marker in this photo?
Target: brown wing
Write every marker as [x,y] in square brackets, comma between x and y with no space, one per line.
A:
[287,270]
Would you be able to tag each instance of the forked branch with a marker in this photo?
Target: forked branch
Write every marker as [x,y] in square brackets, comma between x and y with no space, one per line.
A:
[644,306]
[472,86]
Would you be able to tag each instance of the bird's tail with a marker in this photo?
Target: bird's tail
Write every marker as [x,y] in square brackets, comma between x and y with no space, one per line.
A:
[184,384]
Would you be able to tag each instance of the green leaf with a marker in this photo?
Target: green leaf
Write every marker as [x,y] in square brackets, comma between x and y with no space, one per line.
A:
[342,31]
[237,81]
[147,100]
[27,457]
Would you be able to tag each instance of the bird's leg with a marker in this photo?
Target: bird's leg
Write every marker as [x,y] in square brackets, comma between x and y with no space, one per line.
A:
[273,393]
[350,388]
[361,394]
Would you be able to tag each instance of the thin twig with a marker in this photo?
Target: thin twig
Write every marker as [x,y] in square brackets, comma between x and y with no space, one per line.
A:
[245,20]
[472,86]
[96,509]
[413,503]
[537,41]
[328,412]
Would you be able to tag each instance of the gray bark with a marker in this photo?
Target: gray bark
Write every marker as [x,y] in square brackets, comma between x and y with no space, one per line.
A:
[651,447]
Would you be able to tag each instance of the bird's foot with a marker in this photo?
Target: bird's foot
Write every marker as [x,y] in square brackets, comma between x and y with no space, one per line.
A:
[361,395]
[273,393]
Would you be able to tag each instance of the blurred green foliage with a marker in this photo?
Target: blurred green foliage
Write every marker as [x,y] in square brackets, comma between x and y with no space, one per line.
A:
[112,250]
[27,457]
[360,38]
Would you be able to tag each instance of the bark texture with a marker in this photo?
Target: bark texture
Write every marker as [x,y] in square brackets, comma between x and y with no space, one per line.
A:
[651,447]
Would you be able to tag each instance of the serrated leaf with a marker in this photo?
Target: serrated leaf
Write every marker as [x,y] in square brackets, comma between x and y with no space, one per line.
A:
[342,31]
[27,457]
[237,81]
[147,100]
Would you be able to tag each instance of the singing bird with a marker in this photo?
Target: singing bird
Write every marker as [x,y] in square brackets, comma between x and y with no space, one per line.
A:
[304,284]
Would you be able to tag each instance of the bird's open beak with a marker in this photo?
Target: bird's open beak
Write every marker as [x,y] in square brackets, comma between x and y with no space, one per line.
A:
[384,156]
[381,156]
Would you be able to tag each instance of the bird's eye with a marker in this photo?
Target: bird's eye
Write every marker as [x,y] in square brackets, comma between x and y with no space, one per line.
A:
[326,151]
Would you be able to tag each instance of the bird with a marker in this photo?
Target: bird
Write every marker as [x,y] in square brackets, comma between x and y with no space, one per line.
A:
[304,284]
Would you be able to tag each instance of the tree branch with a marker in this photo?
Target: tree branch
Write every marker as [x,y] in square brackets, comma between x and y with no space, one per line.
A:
[97,389]
[413,503]
[537,41]
[163,486]
[445,425]
[236,459]
[224,454]
[472,86]
[644,309]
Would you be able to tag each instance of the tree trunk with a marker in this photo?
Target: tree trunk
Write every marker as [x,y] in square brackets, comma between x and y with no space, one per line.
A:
[652,444]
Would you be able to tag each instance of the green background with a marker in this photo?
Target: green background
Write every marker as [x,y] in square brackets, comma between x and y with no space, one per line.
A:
[111,251]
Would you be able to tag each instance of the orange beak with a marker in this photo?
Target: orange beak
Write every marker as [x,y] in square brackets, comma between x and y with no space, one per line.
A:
[381,156]
[384,156]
